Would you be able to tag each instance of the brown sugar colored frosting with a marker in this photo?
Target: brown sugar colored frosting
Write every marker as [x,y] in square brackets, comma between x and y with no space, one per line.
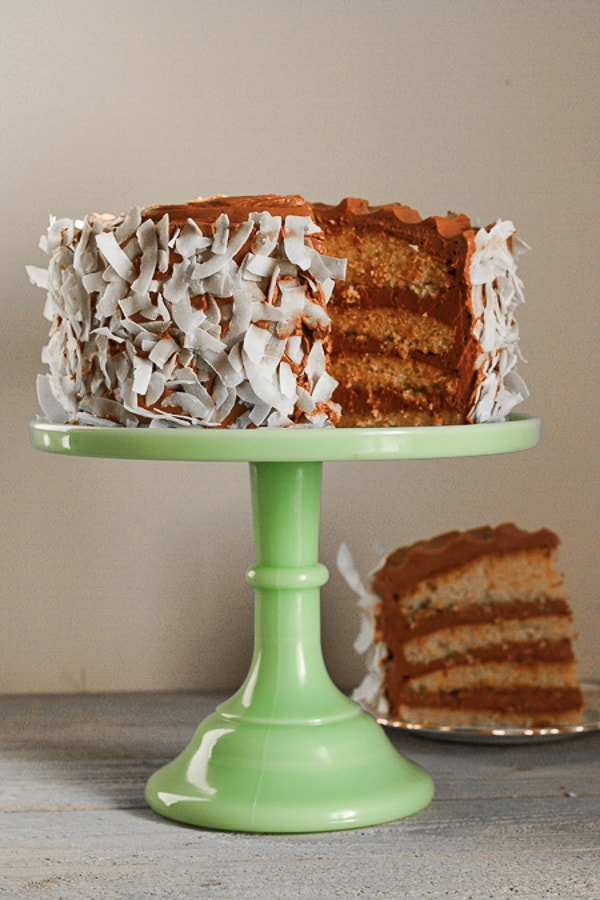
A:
[407,566]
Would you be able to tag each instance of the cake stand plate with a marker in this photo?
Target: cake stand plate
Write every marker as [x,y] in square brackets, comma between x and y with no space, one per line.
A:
[288,752]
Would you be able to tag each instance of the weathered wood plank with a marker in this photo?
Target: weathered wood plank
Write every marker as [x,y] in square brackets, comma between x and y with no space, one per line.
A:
[73,821]
[454,849]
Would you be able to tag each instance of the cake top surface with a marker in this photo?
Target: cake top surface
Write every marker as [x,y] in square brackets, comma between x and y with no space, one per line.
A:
[354,210]
[409,565]
[206,210]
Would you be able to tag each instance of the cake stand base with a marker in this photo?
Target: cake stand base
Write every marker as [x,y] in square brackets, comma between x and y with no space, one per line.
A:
[288,752]
[241,774]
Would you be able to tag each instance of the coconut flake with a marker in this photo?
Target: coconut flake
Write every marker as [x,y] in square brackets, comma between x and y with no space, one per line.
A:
[54,407]
[148,242]
[163,350]
[495,295]
[324,388]
[255,342]
[142,372]
[189,403]
[126,227]
[177,286]
[293,239]
[287,380]
[115,256]
[315,364]
[185,316]
[294,349]
[216,262]
[371,690]
[191,240]
[38,276]
[221,238]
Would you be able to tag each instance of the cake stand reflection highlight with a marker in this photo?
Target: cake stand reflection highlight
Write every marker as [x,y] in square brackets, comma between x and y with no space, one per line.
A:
[288,752]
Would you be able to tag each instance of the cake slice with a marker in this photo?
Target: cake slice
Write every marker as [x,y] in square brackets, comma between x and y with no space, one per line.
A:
[473,629]
[423,326]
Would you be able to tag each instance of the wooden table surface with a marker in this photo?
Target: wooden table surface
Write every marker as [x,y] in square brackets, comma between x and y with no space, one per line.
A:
[506,821]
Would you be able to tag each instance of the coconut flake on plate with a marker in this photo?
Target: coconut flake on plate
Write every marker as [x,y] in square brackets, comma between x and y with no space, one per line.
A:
[370,690]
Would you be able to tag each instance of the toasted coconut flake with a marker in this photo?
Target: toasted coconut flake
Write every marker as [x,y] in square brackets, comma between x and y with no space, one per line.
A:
[293,238]
[148,242]
[163,350]
[142,372]
[38,276]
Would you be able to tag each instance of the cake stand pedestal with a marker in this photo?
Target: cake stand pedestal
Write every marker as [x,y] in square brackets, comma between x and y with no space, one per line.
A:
[288,752]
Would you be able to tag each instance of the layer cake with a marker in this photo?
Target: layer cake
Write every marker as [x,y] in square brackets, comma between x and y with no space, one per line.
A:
[234,312]
[471,629]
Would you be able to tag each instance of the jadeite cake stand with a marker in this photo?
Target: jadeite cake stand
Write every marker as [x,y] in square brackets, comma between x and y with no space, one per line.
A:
[288,752]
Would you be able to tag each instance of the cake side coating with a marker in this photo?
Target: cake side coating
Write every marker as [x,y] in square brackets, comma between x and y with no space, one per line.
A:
[217,318]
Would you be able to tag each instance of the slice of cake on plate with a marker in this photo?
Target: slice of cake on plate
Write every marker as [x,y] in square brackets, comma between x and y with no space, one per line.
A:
[470,629]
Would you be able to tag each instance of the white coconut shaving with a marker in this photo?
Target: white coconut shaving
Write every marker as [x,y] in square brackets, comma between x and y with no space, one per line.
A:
[370,692]
[135,343]
[496,293]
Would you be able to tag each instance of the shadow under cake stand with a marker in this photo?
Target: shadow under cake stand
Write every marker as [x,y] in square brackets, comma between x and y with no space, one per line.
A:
[288,752]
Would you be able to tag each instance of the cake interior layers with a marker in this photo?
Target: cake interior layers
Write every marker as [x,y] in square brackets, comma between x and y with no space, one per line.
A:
[490,638]
[400,346]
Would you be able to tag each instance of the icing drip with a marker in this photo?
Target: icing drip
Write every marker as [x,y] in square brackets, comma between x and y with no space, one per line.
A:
[162,324]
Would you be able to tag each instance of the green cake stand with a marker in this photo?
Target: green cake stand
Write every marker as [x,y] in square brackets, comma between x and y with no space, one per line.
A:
[288,752]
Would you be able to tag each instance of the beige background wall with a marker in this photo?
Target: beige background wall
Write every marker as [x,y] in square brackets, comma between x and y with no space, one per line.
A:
[126,575]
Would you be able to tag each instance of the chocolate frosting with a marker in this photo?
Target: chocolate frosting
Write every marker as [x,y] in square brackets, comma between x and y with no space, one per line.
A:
[354,210]
[406,566]
[205,211]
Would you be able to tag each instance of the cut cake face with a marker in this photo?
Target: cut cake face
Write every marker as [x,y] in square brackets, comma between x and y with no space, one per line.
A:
[424,328]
